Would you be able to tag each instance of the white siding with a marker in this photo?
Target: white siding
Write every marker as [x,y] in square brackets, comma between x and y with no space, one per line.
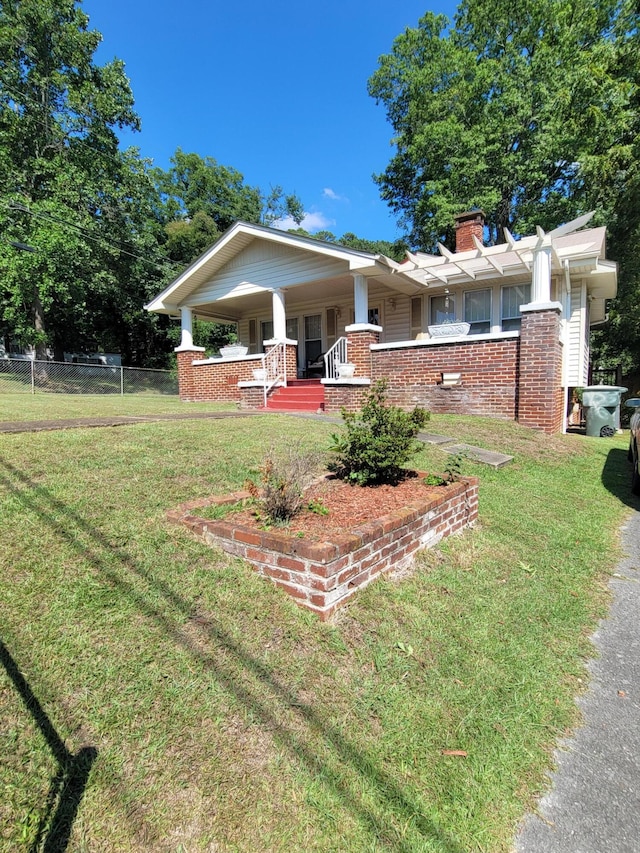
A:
[578,337]
[265,267]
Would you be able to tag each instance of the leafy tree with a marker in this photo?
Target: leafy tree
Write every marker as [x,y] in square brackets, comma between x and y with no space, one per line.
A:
[67,190]
[396,250]
[201,199]
[516,109]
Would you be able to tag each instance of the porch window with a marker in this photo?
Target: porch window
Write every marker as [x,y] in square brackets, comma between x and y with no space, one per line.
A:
[253,337]
[443,309]
[266,329]
[312,336]
[374,315]
[477,311]
[292,328]
[512,298]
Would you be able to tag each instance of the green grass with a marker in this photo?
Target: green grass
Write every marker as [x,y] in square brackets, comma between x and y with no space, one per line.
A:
[192,706]
[44,406]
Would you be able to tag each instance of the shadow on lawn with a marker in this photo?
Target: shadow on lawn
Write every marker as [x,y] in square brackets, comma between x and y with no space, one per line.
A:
[616,477]
[394,802]
[67,787]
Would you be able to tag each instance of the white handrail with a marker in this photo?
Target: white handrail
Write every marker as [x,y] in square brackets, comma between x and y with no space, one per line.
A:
[274,364]
[334,357]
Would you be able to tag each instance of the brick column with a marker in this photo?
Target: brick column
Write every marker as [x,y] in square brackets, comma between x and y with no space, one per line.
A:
[540,393]
[291,358]
[186,381]
[359,340]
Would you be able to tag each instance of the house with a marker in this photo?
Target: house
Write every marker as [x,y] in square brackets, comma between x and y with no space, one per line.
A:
[490,330]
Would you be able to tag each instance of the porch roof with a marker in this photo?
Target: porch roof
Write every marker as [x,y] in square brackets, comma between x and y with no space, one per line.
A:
[249,261]
[324,261]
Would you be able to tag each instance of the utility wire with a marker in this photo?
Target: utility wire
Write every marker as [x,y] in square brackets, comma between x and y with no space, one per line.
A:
[23,209]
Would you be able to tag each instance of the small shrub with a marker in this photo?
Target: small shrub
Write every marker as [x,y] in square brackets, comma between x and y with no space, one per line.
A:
[377,441]
[453,468]
[284,475]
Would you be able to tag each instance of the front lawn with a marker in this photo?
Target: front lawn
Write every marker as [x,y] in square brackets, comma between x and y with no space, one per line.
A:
[157,695]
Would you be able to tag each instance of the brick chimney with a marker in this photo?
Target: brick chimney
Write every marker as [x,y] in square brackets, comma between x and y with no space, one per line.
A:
[468,224]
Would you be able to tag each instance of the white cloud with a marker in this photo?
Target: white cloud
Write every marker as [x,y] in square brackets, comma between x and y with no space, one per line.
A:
[327,192]
[312,222]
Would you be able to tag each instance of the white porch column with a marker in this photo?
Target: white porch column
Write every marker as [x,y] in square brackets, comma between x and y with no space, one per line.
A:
[541,279]
[279,315]
[360,298]
[186,317]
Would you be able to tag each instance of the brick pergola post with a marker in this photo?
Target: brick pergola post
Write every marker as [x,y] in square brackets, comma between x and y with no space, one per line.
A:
[540,392]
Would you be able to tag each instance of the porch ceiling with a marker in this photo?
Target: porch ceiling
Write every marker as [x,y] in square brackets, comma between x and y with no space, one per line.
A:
[248,301]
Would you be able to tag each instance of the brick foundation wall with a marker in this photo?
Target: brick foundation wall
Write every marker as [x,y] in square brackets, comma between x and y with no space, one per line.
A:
[252,397]
[219,381]
[323,576]
[541,397]
[488,372]
[349,397]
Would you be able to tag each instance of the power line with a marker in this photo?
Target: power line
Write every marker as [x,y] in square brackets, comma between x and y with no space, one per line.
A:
[23,209]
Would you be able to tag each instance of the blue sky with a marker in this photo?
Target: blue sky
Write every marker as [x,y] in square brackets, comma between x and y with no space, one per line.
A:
[277,90]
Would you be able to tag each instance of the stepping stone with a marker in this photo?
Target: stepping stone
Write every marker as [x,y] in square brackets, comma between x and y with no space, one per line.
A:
[432,438]
[479,454]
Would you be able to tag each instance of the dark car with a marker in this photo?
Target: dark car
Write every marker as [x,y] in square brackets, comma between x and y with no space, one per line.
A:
[634,437]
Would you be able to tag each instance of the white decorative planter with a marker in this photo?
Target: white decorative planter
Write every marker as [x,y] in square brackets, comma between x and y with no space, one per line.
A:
[235,351]
[449,330]
[259,374]
[346,371]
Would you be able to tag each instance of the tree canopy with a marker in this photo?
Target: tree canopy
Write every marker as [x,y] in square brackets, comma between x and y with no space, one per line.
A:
[522,110]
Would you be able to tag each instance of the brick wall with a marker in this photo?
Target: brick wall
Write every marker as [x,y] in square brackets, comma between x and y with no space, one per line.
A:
[541,397]
[218,382]
[349,397]
[359,351]
[488,371]
[323,576]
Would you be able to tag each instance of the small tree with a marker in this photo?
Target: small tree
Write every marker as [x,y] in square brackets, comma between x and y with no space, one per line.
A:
[377,441]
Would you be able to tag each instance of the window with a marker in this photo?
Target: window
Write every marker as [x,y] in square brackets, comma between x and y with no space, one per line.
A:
[253,336]
[312,336]
[443,309]
[512,298]
[266,330]
[373,316]
[292,328]
[477,311]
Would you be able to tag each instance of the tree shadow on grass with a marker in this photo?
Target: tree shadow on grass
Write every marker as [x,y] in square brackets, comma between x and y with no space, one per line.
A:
[67,787]
[616,477]
[353,776]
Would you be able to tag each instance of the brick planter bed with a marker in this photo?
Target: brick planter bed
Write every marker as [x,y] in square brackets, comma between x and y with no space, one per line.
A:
[322,576]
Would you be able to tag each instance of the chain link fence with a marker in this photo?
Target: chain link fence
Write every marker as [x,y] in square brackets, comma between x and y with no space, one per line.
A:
[57,377]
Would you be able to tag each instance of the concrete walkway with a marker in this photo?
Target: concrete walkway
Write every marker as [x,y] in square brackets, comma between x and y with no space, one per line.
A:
[114,420]
[594,803]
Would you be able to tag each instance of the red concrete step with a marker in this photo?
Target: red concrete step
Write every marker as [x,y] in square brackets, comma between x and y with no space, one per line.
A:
[300,395]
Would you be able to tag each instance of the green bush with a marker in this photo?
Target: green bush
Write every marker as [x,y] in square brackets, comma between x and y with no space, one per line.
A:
[377,441]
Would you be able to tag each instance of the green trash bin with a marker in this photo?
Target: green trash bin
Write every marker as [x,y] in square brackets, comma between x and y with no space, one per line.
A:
[601,405]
